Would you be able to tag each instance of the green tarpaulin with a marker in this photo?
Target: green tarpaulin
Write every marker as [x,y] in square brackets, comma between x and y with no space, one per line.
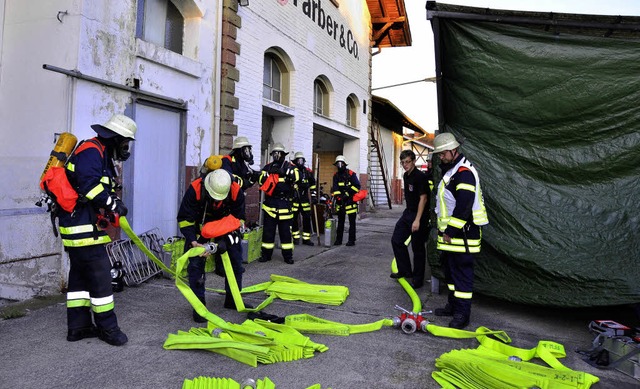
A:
[552,123]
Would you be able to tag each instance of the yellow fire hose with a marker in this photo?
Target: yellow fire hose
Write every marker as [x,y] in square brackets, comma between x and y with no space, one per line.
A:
[493,364]
[228,383]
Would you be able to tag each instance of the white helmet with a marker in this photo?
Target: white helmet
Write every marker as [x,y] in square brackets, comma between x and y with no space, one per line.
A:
[279,147]
[117,125]
[340,158]
[240,142]
[445,141]
[218,183]
[297,155]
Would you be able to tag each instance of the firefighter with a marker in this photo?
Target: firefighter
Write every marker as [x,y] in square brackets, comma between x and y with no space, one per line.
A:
[345,185]
[91,172]
[239,162]
[206,200]
[413,223]
[460,212]
[277,181]
[303,195]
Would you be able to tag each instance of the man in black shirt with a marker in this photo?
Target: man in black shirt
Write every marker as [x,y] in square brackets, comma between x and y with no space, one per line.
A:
[414,222]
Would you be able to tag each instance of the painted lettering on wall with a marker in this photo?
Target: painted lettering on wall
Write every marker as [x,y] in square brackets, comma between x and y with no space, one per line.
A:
[342,35]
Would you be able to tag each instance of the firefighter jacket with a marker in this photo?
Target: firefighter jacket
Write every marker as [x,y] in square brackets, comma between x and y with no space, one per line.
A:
[91,173]
[306,188]
[198,208]
[345,185]
[278,204]
[460,207]
[240,170]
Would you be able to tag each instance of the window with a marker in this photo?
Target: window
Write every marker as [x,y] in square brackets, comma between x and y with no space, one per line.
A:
[320,98]
[352,110]
[272,79]
[160,22]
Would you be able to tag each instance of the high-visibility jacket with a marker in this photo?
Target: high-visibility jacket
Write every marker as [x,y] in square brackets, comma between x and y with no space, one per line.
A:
[278,204]
[345,185]
[460,207]
[197,208]
[306,186]
[91,172]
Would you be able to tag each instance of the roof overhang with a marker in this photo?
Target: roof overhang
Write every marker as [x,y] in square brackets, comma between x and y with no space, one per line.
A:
[389,23]
[392,117]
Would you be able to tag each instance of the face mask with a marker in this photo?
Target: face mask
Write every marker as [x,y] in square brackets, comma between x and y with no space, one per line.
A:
[121,151]
[300,162]
[247,155]
[341,166]
[277,156]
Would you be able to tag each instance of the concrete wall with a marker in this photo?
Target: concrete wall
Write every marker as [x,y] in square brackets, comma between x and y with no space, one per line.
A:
[98,39]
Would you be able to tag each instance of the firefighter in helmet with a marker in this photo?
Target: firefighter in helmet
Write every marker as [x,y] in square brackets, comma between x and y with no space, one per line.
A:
[345,185]
[460,214]
[239,162]
[304,194]
[206,200]
[90,170]
[277,181]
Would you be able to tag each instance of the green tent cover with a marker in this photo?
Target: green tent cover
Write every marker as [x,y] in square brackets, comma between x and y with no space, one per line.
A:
[552,123]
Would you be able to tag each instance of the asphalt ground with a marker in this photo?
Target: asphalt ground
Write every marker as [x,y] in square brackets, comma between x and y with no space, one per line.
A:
[34,352]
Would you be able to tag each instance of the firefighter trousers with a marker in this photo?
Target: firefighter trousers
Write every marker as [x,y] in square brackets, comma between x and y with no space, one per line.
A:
[306,222]
[352,225]
[197,275]
[458,272]
[90,289]
[270,224]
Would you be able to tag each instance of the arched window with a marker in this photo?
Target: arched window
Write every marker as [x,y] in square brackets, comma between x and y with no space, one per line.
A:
[320,97]
[272,79]
[352,111]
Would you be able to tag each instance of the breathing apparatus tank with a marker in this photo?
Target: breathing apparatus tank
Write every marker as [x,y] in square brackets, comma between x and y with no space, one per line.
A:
[213,162]
[61,152]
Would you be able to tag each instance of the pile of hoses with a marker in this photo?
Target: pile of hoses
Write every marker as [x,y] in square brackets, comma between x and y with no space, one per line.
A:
[494,364]
[228,383]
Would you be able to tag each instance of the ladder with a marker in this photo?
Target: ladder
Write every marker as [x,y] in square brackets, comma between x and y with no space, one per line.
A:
[378,179]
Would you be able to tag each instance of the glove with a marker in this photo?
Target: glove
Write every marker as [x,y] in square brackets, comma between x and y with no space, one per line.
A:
[118,207]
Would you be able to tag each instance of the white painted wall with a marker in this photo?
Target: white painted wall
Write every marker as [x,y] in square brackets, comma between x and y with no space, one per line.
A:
[313,53]
[98,39]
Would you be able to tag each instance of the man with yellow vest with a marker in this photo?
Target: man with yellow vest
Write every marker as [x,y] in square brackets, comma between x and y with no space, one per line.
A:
[460,212]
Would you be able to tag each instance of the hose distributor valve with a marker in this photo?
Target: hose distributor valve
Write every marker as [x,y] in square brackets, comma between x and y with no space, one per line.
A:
[409,321]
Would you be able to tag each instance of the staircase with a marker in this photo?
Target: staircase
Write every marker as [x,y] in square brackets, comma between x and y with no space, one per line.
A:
[379,185]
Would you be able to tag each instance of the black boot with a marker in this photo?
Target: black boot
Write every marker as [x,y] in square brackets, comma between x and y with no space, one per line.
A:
[459,321]
[82,333]
[446,311]
[113,336]
[307,242]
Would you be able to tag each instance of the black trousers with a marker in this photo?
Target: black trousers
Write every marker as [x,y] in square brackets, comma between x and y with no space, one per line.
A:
[269,235]
[197,275]
[352,225]
[90,288]
[458,272]
[401,233]
[306,222]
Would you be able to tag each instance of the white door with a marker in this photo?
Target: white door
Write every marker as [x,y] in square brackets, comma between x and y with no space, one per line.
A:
[156,162]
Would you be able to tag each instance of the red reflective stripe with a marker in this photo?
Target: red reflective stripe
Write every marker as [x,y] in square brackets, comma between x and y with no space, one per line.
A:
[197,186]
[463,168]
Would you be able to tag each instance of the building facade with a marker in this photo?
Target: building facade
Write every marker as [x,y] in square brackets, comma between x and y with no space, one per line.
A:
[194,75]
